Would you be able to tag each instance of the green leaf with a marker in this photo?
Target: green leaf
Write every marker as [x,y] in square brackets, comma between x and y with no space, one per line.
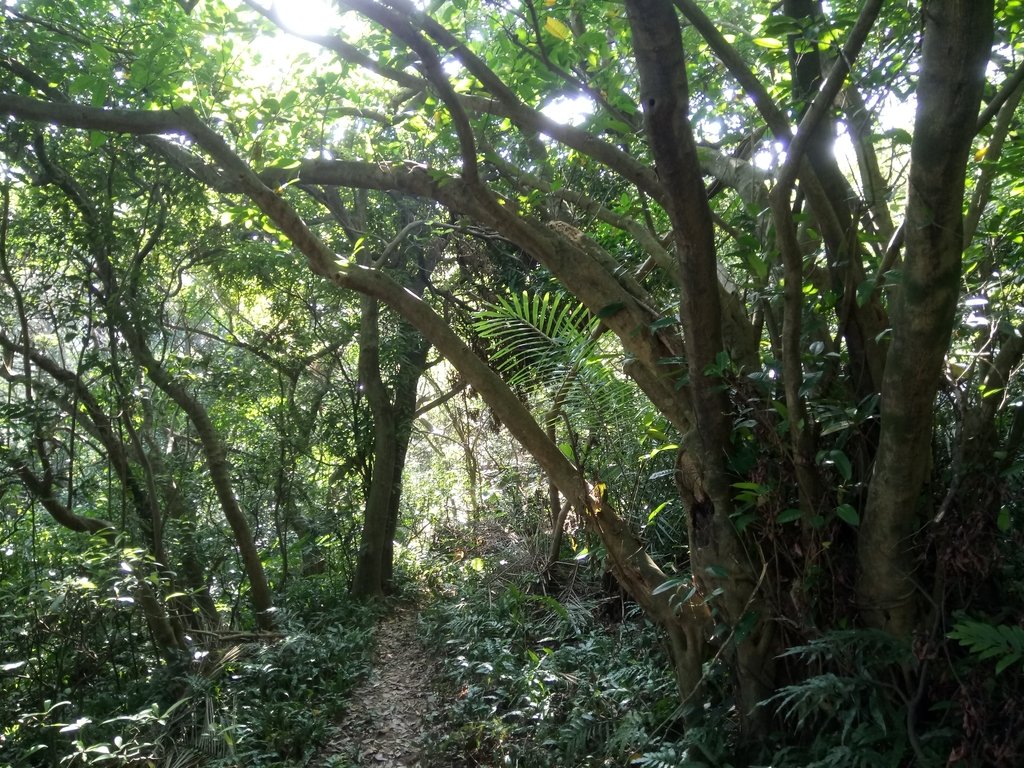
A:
[557,28]
[837,426]
[745,486]
[75,726]
[848,514]
[839,460]
[990,641]
[769,42]
[670,585]
[745,625]
[656,511]
[664,322]
[758,265]
[864,292]
[742,522]
[789,515]
[1006,661]
[1003,520]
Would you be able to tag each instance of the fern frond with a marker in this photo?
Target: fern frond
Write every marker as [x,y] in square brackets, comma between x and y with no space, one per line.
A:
[868,648]
[990,641]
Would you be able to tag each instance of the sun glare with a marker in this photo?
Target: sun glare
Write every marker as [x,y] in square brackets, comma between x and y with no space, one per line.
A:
[275,54]
[307,17]
[569,110]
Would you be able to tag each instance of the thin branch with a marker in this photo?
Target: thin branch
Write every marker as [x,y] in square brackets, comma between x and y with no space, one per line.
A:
[342,49]
[440,400]
[983,186]
[402,28]
[530,119]
[730,57]
[1009,86]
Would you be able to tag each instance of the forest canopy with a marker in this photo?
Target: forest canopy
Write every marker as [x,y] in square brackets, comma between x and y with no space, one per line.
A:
[719,302]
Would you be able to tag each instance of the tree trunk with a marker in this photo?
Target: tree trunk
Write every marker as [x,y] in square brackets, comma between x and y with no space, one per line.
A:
[216,454]
[406,388]
[370,569]
[393,414]
[957,40]
[719,560]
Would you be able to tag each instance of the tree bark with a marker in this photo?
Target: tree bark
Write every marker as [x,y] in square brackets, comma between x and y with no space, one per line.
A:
[717,554]
[393,413]
[956,46]
[405,391]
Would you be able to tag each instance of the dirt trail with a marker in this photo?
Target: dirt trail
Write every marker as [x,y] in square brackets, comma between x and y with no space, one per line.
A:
[384,726]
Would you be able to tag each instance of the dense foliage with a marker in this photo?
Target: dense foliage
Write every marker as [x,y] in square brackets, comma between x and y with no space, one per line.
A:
[90,691]
[714,306]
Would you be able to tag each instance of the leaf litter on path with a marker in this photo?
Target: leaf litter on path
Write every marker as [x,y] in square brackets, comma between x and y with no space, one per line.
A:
[385,722]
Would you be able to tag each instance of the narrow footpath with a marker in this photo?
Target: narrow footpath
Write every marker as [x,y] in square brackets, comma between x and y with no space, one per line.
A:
[385,723]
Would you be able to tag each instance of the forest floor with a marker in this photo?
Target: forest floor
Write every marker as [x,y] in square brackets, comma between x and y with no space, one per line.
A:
[386,722]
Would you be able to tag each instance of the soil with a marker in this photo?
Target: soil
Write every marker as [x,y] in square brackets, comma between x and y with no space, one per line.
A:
[385,726]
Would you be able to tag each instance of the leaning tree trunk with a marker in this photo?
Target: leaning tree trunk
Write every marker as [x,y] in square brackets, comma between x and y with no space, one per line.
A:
[957,41]
[113,297]
[216,454]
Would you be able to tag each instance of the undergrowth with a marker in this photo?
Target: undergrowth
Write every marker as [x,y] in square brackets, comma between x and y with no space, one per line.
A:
[242,699]
[533,681]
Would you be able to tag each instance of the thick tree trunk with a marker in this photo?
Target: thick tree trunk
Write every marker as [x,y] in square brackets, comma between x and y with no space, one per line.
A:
[957,41]
[370,569]
[838,204]
[196,577]
[405,412]
[369,576]
[295,434]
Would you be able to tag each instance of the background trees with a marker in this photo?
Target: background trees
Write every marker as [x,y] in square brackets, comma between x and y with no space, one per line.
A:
[728,208]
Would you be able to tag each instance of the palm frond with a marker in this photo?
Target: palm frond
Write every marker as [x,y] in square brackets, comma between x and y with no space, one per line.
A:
[536,337]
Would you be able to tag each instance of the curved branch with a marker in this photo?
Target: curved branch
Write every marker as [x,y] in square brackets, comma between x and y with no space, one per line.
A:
[402,28]
[1007,90]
